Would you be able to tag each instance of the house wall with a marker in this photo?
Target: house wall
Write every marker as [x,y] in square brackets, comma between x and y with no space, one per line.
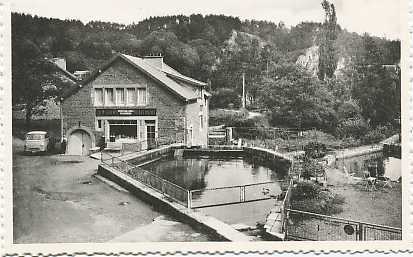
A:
[193,111]
[169,108]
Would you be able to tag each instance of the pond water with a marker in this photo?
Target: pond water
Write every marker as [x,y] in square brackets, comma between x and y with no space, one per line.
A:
[205,174]
[209,172]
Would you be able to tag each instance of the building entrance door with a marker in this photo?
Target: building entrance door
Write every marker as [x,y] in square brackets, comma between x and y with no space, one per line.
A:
[79,143]
[150,134]
[189,136]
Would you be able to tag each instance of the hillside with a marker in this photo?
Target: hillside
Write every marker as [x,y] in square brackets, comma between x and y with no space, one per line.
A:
[281,65]
[190,43]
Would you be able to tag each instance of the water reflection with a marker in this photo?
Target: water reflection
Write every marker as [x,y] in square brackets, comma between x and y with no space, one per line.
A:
[199,173]
[375,163]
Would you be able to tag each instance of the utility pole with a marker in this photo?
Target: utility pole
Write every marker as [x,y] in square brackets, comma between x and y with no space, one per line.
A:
[243,89]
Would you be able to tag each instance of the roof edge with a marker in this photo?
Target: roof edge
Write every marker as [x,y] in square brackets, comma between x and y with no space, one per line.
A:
[105,66]
[66,72]
[186,79]
[153,77]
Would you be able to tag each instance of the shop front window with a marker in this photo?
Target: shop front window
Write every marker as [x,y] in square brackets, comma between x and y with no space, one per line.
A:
[123,130]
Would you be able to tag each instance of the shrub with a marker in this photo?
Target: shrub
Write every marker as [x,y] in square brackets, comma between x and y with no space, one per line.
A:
[232,118]
[378,134]
[348,110]
[311,168]
[315,150]
[224,97]
[311,197]
[354,127]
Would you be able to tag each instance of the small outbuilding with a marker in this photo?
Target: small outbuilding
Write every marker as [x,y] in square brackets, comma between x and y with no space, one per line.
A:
[135,101]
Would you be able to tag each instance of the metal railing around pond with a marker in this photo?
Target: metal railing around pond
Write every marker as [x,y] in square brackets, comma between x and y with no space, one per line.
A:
[301,225]
[201,198]
[212,197]
[161,185]
[167,188]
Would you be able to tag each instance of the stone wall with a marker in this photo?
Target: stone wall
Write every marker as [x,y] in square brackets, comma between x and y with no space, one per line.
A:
[272,159]
[78,108]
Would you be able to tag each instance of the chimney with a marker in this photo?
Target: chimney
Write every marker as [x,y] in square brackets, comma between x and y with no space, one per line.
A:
[155,61]
[60,62]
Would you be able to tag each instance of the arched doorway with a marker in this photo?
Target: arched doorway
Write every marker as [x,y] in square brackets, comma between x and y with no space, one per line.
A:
[79,142]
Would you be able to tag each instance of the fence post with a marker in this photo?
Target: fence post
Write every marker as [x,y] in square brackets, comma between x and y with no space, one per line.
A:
[243,193]
[360,232]
[189,199]
[163,186]
[113,161]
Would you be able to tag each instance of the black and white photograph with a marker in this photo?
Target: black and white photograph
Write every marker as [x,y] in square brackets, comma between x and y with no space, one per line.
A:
[207,121]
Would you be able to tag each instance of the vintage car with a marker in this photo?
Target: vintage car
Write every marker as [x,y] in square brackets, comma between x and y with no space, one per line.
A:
[37,141]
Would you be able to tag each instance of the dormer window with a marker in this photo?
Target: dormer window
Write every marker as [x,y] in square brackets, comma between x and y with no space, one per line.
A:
[109,97]
[98,97]
[141,93]
[119,96]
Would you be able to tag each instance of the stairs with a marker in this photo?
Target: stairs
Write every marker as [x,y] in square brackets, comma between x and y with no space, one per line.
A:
[217,133]
[274,222]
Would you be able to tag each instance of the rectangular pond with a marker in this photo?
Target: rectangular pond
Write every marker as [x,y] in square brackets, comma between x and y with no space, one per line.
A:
[234,190]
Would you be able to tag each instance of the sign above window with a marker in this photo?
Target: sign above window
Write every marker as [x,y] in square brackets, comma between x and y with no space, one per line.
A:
[126,112]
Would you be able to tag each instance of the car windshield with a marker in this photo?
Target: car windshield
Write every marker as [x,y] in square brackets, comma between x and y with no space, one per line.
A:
[34,137]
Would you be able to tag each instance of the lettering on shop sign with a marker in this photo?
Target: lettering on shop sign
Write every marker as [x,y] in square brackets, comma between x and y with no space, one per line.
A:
[126,112]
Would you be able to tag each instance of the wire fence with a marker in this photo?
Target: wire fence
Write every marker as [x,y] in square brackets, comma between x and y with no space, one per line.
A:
[161,185]
[167,188]
[302,225]
[286,204]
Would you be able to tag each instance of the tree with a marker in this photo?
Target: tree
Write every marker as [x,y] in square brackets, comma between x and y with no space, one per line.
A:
[34,78]
[224,97]
[298,100]
[376,86]
[327,51]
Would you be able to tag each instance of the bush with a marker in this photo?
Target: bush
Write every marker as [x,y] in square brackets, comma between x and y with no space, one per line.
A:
[354,127]
[348,110]
[230,118]
[20,128]
[311,168]
[311,197]
[378,134]
[315,150]
[224,97]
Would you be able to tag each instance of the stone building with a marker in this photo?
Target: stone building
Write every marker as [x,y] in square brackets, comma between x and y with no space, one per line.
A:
[135,101]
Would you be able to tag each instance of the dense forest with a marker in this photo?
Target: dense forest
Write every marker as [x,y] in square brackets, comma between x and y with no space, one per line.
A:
[308,75]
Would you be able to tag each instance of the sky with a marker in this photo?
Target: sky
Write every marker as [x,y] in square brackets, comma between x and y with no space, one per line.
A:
[376,17]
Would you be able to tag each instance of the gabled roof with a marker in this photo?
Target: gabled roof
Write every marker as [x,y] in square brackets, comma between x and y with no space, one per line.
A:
[187,93]
[171,72]
[166,76]
[65,72]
